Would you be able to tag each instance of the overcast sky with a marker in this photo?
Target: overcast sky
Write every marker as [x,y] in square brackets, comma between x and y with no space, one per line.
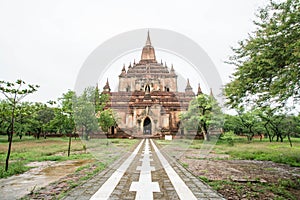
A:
[46,42]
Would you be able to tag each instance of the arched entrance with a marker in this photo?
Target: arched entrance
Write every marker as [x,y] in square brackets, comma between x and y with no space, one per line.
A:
[147,126]
[112,130]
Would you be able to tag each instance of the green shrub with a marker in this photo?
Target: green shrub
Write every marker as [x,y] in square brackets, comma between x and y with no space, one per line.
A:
[228,137]
[14,168]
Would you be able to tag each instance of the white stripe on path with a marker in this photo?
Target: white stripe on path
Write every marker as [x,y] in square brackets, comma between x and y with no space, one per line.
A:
[144,188]
[108,187]
[183,191]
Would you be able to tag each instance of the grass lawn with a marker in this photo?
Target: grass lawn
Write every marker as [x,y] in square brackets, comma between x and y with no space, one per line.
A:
[279,152]
[30,149]
[277,187]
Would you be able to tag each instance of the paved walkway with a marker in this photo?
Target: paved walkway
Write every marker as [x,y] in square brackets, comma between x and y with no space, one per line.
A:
[144,174]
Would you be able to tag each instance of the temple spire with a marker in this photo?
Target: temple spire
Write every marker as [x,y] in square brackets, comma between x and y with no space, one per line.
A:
[106,88]
[148,52]
[189,89]
[172,71]
[172,68]
[123,72]
[211,93]
[199,90]
[148,41]
[188,86]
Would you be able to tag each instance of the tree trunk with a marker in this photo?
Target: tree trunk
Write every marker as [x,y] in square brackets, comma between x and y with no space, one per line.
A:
[82,131]
[251,133]
[273,137]
[290,141]
[10,138]
[8,132]
[69,147]
[70,140]
[38,134]
[8,152]
[281,138]
[268,133]
[205,132]
[249,138]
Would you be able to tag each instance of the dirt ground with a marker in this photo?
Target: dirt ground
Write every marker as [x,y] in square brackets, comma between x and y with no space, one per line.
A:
[234,179]
[245,179]
[41,175]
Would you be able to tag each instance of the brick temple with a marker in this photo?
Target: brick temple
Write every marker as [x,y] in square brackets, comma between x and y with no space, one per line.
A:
[148,102]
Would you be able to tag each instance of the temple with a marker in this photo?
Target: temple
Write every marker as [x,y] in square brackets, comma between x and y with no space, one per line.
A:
[148,102]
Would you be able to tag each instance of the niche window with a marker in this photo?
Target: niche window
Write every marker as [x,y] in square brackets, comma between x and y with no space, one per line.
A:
[128,88]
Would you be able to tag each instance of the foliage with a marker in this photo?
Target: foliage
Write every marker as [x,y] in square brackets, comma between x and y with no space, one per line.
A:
[250,123]
[97,99]
[91,112]
[106,119]
[15,168]
[268,60]
[232,123]
[67,110]
[203,115]
[228,137]
[84,115]
[263,122]
[4,116]
[105,116]
[14,92]
[67,102]
[278,124]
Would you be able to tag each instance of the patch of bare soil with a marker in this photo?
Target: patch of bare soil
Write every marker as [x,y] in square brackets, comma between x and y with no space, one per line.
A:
[57,189]
[245,179]
[41,175]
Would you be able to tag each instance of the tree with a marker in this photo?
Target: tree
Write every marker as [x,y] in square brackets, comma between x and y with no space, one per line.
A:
[45,115]
[61,123]
[233,123]
[41,118]
[105,116]
[203,114]
[14,92]
[5,117]
[250,123]
[85,116]
[106,119]
[278,124]
[24,117]
[67,103]
[267,61]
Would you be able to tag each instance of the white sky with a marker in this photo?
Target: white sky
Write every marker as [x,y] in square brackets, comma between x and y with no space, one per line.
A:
[46,42]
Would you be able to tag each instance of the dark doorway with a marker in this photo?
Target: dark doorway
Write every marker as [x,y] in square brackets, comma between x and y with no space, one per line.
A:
[147,126]
[112,130]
